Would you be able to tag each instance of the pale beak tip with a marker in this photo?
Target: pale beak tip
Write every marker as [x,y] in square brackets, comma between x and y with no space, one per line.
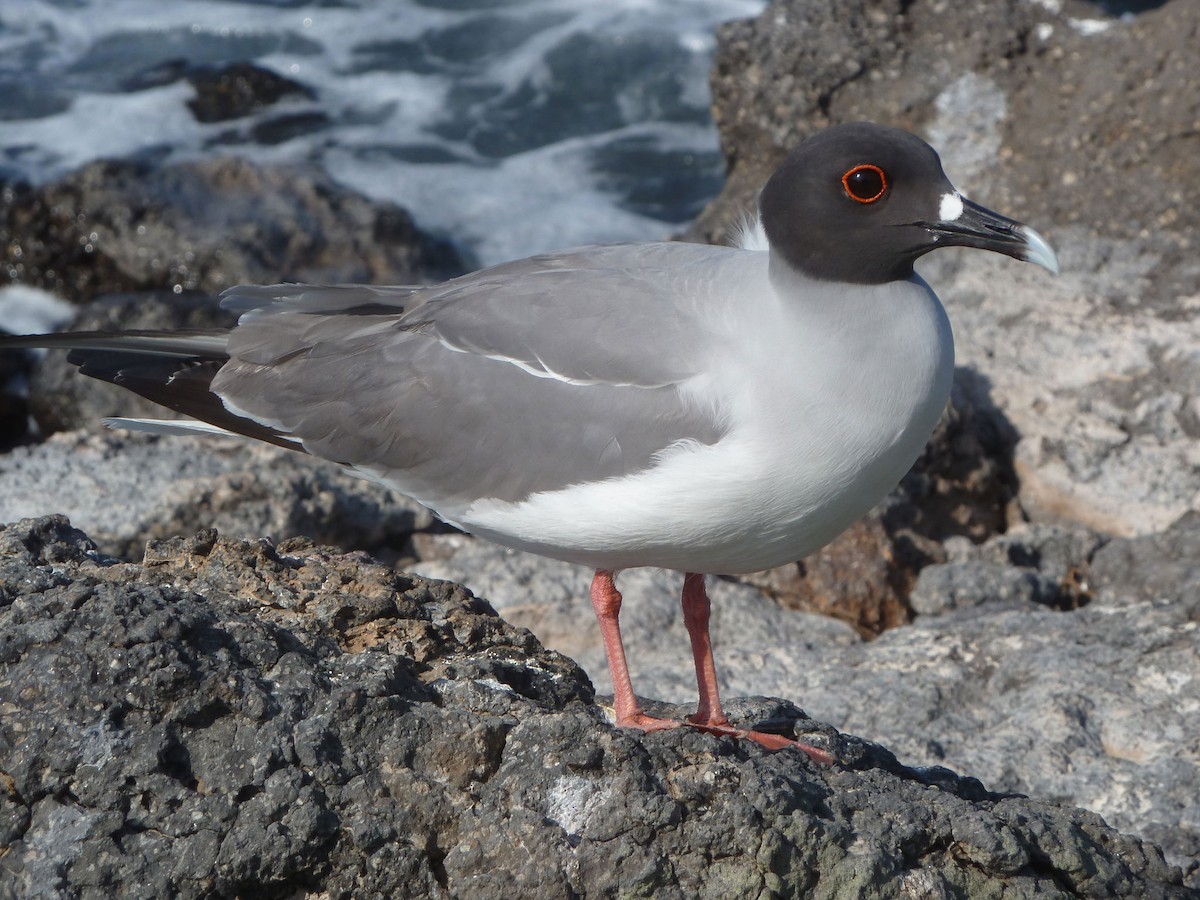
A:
[1038,250]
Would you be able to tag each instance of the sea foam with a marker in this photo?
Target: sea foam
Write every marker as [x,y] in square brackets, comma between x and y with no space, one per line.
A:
[512,127]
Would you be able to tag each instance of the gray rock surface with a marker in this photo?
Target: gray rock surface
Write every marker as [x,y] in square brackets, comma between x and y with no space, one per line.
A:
[273,695]
[1098,705]
[1085,129]
[231,719]
[128,488]
[756,637]
[1059,665]
[935,692]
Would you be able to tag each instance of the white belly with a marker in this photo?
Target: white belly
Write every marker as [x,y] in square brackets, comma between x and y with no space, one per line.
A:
[829,405]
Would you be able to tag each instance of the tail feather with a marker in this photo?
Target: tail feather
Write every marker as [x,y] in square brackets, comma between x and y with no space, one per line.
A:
[172,369]
[181,427]
[184,344]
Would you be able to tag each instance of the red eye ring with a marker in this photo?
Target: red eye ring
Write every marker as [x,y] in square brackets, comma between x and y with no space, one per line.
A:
[865,183]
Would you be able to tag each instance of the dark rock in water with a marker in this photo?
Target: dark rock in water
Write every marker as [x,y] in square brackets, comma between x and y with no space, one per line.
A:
[15,368]
[229,718]
[115,227]
[239,89]
[278,129]
[162,73]
[14,418]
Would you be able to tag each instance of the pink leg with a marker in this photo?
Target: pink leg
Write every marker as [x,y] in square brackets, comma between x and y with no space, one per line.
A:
[606,601]
[709,717]
[696,608]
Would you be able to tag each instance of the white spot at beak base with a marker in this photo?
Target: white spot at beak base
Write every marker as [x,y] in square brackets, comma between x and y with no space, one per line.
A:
[951,207]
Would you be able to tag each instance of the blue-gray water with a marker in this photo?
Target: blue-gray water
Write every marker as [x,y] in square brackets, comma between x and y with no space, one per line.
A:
[513,126]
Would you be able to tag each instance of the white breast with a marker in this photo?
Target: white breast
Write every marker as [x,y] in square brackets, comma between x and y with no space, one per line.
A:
[831,395]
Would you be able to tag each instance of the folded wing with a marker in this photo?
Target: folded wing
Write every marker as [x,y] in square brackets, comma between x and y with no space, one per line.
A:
[523,378]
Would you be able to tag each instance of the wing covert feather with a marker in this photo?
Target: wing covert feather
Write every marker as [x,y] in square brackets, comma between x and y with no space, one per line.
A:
[519,379]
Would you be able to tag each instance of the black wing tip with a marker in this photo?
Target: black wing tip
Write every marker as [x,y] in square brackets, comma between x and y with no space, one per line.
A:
[173,369]
[182,385]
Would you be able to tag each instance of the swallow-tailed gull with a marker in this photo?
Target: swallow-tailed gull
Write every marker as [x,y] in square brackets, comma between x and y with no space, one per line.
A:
[700,408]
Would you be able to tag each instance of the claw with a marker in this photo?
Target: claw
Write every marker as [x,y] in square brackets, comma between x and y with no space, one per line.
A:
[765,739]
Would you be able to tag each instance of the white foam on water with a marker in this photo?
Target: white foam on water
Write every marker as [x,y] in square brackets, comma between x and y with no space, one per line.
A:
[542,199]
[510,127]
[30,310]
[103,126]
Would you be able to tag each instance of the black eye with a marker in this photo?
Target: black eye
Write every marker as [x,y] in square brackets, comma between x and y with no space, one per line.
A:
[865,183]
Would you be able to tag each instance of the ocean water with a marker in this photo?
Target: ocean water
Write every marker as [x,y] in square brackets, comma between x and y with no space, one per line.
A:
[511,126]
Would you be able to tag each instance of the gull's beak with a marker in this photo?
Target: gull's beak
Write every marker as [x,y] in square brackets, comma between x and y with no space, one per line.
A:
[978,226]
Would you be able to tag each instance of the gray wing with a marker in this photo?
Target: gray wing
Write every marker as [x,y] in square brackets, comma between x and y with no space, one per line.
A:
[526,377]
[254,300]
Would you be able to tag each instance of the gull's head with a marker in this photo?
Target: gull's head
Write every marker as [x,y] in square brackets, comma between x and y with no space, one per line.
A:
[861,202]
